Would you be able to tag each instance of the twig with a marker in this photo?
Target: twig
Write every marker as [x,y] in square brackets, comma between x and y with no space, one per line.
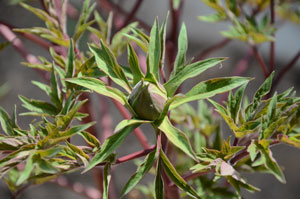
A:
[131,156]
[135,155]
[213,48]
[244,152]
[172,40]
[132,13]
[10,36]
[138,133]
[110,6]
[88,192]
[272,44]
[260,61]
[189,176]
[286,69]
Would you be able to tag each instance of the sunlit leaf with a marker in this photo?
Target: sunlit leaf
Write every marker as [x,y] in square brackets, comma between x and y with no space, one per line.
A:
[176,178]
[177,137]
[140,173]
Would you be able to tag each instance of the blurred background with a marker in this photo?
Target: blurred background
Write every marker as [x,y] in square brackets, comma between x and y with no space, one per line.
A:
[16,80]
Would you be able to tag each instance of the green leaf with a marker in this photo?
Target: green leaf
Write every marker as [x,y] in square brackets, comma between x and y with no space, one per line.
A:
[63,121]
[176,4]
[82,21]
[273,126]
[118,42]
[46,166]
[90,139]
[166,109]
[25,174]
[218,106]
[158,183]
[106,177]
[189,71]
[260,93]
[55,91]
[76,129]
[3,45]
[78,151]
[216,17]
[50,22]
[70,61]
[236,102]
[154,51]
[252,150]
[99,87]
[272,108]
[112,142]
[271,164]
[209,88]
[181,53]
[6,123]
[38,106]
[140,173]
[162,35]
[107,62]
[176,178]
[140,43]
[177,137]
[134,65]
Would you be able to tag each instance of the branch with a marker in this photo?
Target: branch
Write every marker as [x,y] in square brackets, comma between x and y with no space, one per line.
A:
[132,13]
[10,36]
[135,155]
[138,133]
[189,176]
[212,48]
[286,69]
[118,11]
[272,44]
[260,61]
[131,156]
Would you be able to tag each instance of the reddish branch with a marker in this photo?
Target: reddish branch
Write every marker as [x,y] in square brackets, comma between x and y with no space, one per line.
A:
[190,176]
[286,69]
[132,13]
[132,156]
[138,133]
[135,155]
[260,61]
[10,36]
[212,49]
[119,13]
[272,44]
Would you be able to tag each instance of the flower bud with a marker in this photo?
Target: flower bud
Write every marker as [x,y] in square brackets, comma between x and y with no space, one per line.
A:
[148,100]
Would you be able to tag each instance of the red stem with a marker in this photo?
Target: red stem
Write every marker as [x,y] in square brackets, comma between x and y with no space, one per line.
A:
[260,61]
[214,47]
[118,11]
[190,176]
[272,44]
[138,133]
[286,69]
[135,155]
[10,36]
[131,156]
[132,13]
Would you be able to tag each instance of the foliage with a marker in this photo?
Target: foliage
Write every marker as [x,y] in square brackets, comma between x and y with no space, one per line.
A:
[45,151]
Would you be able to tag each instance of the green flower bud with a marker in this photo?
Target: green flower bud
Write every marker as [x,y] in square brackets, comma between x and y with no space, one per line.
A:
[148,100]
